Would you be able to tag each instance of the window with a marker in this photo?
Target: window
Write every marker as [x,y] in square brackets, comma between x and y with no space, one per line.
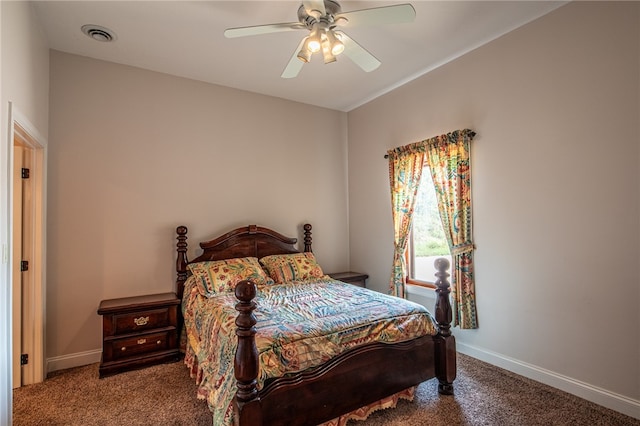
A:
[427,240]
[449,157]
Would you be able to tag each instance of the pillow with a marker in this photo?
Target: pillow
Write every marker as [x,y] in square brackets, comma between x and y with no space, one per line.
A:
[221,276]
[292,267]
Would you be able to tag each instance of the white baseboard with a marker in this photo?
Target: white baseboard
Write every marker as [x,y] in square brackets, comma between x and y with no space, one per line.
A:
[611,400]
[73,360]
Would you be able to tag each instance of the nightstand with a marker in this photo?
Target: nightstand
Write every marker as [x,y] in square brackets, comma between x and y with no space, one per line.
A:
[355,278]
[138,331]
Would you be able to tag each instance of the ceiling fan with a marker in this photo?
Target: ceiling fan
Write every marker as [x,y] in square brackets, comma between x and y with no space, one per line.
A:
[322,18]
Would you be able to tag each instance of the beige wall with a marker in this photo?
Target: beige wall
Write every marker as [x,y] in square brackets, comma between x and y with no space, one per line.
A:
[555,190]
[25,65]
[134,153]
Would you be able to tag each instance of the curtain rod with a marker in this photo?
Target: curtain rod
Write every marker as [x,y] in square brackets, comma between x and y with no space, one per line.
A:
[472,134]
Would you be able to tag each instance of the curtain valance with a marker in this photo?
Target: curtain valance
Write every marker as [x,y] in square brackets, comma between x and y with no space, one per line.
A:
[420,147]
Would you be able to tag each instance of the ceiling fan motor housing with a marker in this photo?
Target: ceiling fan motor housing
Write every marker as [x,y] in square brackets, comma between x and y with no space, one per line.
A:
[331,7]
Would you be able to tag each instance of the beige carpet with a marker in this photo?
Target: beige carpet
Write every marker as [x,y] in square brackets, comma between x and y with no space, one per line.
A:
[166,395]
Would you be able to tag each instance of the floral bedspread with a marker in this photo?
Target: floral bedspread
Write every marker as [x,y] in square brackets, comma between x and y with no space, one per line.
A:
[300,325]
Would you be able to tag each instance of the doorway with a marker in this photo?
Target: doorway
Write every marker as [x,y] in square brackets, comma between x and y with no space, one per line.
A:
[27,253]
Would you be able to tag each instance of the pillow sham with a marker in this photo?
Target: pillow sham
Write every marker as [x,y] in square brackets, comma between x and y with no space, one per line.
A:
[221,276]
[292,267]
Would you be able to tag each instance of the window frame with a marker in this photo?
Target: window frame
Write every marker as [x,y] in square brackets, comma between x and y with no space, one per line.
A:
[408,258]
[409,254]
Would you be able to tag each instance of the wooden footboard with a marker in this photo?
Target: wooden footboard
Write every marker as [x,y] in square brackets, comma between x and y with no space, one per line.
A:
[352,380]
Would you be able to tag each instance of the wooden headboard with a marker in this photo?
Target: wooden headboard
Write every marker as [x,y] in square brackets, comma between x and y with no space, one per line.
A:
[248,241]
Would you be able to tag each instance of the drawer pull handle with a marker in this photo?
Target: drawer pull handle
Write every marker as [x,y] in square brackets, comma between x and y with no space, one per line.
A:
[142,341]
[159,342]
[124,348]
[141,321]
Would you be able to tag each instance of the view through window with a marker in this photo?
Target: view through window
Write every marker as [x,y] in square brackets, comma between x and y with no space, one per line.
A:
[428,241]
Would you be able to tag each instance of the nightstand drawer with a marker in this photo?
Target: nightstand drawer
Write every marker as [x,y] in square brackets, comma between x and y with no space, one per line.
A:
[140,321]
[140,344]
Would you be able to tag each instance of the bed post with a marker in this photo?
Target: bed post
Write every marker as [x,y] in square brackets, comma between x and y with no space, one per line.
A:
[445,341]
[181,262]
[247,402]
[307,237]
[181,269]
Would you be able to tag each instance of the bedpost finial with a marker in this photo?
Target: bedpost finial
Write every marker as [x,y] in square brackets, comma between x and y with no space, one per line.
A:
[245,291]
[182,243]
[442,264]
[307,237]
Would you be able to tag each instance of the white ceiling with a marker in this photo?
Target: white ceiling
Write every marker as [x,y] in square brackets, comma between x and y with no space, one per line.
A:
[185,38]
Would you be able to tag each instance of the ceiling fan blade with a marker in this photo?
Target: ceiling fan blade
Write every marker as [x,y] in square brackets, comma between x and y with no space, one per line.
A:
[314,5]
[358,54]
[396,14]
[262,29]
[295,65]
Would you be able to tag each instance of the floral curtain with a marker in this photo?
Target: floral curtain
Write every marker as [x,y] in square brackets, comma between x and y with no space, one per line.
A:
[405,170]
[448,159]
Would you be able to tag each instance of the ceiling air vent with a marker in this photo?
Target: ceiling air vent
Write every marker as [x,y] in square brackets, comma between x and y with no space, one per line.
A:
[98,33]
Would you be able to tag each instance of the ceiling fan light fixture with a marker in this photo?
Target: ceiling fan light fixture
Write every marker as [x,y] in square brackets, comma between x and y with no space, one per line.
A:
[326,51]
[313,46]
[313,43]
[304,54]
[337,47]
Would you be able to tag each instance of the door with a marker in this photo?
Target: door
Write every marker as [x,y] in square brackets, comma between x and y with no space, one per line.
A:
[23,283]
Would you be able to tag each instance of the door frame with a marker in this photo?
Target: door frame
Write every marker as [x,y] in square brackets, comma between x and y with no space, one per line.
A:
[20,127]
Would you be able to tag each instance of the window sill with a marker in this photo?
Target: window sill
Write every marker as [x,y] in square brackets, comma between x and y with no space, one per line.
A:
[420,290]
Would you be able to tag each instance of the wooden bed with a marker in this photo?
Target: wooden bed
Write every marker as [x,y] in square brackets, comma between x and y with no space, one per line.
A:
[347,382]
